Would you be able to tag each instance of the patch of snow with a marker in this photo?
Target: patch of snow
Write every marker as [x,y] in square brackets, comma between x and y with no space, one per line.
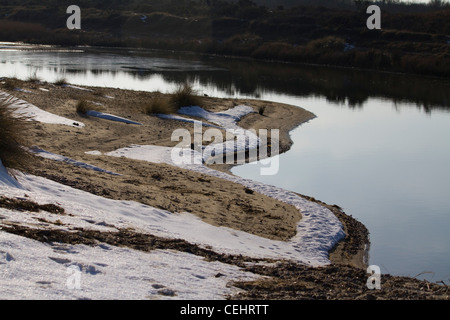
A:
[33,113]
[56,157]
[22,90]
[110,117]
[6,179]
[226,120]
[94,153]
[75,87]
[184,119]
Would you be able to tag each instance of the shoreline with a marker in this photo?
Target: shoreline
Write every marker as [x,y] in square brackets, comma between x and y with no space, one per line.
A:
[349,254]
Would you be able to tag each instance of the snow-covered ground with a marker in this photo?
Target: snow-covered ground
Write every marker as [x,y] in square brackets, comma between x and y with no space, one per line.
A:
[33,270]
[111,117]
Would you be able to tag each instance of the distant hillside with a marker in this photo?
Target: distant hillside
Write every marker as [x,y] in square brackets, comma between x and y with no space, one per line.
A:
[414,38]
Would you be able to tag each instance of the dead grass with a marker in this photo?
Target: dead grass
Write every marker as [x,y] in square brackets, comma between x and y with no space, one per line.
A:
[12,153]
[261,110]
[83,107]
[33,78]
[186,96]
[61,82]
[160,105]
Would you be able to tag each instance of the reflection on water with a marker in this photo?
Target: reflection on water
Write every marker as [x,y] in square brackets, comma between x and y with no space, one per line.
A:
[379,147]
[144,70]
[386,166]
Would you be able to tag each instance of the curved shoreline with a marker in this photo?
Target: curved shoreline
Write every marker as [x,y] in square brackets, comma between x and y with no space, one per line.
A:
[276,116]
[348,253]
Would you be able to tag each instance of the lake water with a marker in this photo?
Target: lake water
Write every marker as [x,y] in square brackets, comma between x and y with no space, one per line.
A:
[379,147]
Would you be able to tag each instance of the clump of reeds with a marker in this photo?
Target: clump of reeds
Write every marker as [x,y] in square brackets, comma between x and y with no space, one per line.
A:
[12,128]
[61,82]
[160,105]
[183,96]
[83,107]
[261,110]
[34,78]
[186,96]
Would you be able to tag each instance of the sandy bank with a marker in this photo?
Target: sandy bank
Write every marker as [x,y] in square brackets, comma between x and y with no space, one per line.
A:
[216,201]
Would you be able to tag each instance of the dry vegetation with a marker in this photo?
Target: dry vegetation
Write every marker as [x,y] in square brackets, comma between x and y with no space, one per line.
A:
[83,107]
[184,96]
[159,105]
[61,82]
[12,153]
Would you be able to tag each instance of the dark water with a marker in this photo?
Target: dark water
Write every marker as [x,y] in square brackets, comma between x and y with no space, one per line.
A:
[379,147]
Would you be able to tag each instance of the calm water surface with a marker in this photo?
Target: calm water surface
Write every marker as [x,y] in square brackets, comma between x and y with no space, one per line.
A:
[379,147]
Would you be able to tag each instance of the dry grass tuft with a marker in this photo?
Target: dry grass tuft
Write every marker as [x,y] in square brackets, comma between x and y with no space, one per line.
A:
[186,96]
[160,105]
[83,107]
[61,82]
[12,127]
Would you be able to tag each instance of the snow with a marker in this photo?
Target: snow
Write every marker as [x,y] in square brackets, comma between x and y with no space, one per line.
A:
[6,179]
[66,272]
[111,117]
[75,87]
[33,113]
[226,120]
[25,109]
[56,157]
[317,233]
[184,119]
